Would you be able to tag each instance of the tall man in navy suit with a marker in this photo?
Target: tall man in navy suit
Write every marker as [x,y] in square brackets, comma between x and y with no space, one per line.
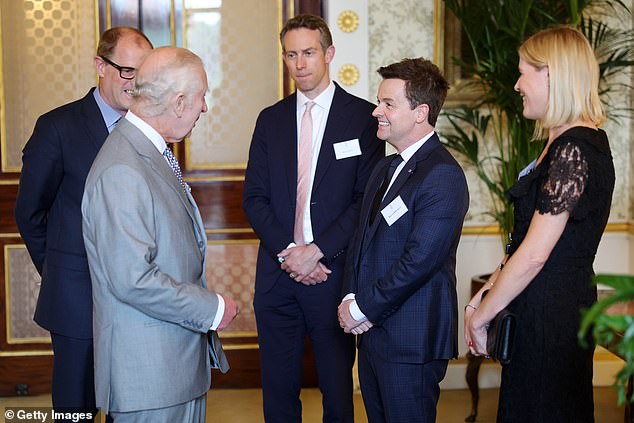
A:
[55,163]
[310,159]
[400,271]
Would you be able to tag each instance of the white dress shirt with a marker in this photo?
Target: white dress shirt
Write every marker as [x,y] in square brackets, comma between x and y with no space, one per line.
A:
[319,115]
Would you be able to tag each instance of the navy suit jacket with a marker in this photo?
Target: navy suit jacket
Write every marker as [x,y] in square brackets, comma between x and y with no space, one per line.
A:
[55,163]
[270,186]
[403,275]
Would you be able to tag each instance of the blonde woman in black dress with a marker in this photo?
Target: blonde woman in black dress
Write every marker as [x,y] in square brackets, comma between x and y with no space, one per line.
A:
[562,203]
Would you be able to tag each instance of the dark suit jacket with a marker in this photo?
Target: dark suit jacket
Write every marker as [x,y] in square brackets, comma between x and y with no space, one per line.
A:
[404,275]
[270,186]
[55,163]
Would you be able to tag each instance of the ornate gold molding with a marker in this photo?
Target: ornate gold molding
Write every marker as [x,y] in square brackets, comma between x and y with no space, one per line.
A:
[349,74]
[495,229]
[348,21]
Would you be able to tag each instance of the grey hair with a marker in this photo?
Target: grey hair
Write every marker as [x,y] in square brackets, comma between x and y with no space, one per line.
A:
[154,85]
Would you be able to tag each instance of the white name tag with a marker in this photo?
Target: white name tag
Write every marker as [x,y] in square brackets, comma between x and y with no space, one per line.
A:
[528,169]
[393,211]
[345,149]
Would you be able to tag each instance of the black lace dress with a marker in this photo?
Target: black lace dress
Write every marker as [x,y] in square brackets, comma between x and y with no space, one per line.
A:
[549,379]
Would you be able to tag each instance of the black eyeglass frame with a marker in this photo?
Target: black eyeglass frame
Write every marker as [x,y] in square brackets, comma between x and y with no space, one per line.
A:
[121,69]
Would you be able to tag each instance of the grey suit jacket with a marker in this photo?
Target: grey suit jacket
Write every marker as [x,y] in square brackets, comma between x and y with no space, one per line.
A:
[146,247]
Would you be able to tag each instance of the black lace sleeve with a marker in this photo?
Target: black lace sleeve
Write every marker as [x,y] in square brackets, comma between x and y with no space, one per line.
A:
[566,179]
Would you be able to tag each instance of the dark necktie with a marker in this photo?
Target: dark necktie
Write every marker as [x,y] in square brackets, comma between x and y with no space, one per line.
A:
[378,198]
[175,167]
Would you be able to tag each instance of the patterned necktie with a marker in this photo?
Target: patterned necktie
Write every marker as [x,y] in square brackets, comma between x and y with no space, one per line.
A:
[304,165]
[175,167]
[378,198]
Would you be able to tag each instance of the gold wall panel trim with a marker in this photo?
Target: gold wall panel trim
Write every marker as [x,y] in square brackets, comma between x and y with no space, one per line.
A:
[241,165]
[35,340]
[173,22]
[495,229]
[230,231]
[439,33]
[108,15]
[33,353]
[481,230]
[7,181]
[233,242]
[7,300]
[241,347]
[97,36]
[280,64]
[10,235]
[227,335]
[3,126]
[214,178]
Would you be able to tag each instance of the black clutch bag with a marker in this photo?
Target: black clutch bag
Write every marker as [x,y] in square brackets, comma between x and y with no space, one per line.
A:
[500,334]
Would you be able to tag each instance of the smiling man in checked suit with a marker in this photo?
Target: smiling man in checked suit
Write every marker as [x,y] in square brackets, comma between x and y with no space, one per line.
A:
[400,271]
[146,246]
[302,193]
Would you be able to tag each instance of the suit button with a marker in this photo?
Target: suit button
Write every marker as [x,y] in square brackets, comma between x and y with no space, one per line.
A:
[201,244]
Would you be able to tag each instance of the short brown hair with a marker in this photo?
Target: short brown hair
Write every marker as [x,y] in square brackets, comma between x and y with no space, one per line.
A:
[424,83]
[109,39]
[311,22]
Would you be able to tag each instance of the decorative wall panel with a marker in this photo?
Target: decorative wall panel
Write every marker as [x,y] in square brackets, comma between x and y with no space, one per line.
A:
[348,22]
[398,29]
[231,272]
[47,51]
[238,42]
[22,284]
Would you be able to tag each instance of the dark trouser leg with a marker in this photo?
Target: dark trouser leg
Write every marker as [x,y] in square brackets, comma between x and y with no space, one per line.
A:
[333,349]
[281,332]
[409,392]
[73,375]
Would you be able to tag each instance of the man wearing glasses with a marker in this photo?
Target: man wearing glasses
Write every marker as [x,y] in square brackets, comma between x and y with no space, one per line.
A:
[55,163]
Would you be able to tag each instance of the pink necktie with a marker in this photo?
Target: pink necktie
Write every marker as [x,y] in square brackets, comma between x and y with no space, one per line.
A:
[304,164]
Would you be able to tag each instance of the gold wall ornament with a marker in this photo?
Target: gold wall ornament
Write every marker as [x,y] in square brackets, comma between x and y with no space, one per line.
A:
[348,74]
[348,21]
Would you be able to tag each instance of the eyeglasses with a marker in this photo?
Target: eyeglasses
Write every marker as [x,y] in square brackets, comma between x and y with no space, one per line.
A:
[125,72]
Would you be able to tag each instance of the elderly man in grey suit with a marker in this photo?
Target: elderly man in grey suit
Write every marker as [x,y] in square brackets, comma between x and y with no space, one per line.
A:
[154,318]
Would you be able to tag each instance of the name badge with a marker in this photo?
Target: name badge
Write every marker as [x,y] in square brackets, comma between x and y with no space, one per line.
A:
[345,149]
[528,169]
[393,211]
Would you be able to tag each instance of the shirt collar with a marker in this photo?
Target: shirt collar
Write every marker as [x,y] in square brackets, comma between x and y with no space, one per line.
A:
[148,131]
[110,115]
[323,100]
[412,149]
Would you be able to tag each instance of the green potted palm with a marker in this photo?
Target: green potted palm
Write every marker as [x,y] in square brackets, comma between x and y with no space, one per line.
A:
[490,133]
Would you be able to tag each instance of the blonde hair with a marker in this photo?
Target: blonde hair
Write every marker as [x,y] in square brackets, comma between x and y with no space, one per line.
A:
[573,74]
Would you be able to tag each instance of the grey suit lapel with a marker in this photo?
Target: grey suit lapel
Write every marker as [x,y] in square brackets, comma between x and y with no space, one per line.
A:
[157,162]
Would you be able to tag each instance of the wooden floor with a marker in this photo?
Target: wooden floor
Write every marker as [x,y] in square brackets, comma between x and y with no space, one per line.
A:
[245,406]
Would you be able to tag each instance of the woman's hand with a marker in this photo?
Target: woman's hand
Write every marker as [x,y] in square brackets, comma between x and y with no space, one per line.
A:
[476,332]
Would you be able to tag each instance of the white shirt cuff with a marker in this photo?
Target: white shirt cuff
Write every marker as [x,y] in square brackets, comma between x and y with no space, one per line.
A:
[354,309]
[219,313]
